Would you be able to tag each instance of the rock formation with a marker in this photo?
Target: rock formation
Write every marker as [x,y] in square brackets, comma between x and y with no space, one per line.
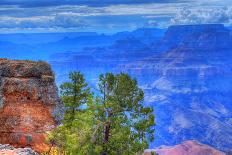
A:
[29,103]
[10,150]
[187,148]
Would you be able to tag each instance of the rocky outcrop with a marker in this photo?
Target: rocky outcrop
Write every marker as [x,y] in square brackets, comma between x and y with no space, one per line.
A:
[186,148]
[29,103]
[10,150]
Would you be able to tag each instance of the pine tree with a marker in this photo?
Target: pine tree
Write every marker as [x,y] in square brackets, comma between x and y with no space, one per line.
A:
[126,125]
[74,133]
[75,95]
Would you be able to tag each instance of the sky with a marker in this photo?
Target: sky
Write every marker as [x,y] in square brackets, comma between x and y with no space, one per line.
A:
[108,15]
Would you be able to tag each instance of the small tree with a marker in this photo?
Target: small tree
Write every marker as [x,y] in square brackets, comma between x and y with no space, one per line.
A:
[126,125]
[74,133]
[75,95]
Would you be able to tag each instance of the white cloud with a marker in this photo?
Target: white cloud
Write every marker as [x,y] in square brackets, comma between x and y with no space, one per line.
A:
[200,16]
[151,15]
[67,21]
[59,20]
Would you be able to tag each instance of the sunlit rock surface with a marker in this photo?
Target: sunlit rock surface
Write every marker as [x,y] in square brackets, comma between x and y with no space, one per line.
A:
[186,148]
[29,103]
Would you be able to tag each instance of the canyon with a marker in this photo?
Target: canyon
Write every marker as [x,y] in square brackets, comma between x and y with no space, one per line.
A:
[185,73]
[186,76]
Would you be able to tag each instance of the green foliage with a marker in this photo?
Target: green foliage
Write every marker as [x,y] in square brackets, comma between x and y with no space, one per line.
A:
[126,125]
[28,139]
[153,153]
[75,95]
[73,135]
[115,122]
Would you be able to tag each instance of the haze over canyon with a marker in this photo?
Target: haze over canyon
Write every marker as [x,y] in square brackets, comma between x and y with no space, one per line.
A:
[185,71]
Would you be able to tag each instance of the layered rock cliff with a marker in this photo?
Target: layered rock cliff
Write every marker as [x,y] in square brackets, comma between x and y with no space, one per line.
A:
[29,103]
[191,82]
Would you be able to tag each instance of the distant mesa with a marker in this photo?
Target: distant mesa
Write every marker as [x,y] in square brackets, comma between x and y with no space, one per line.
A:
[206,36]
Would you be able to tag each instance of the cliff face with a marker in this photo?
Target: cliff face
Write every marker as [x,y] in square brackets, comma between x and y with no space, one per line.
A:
[29,103]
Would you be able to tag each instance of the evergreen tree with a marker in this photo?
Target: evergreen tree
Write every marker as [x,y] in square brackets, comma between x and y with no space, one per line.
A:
[126,126]
[74,133]
[75,95]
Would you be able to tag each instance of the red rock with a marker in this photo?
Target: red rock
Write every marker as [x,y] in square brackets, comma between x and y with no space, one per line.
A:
[28,103]
[188,148]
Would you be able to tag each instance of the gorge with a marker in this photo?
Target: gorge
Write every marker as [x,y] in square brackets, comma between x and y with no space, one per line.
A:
[185,73]
[186,76]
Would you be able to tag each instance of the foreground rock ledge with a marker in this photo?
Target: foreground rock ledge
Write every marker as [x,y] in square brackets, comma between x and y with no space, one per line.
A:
[9,150]
[29,103]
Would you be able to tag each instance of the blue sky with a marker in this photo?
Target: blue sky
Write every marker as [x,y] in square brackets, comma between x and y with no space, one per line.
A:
[108,15]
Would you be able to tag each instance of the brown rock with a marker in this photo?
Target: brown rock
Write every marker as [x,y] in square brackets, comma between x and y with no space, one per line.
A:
[188,148]
[29,103]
